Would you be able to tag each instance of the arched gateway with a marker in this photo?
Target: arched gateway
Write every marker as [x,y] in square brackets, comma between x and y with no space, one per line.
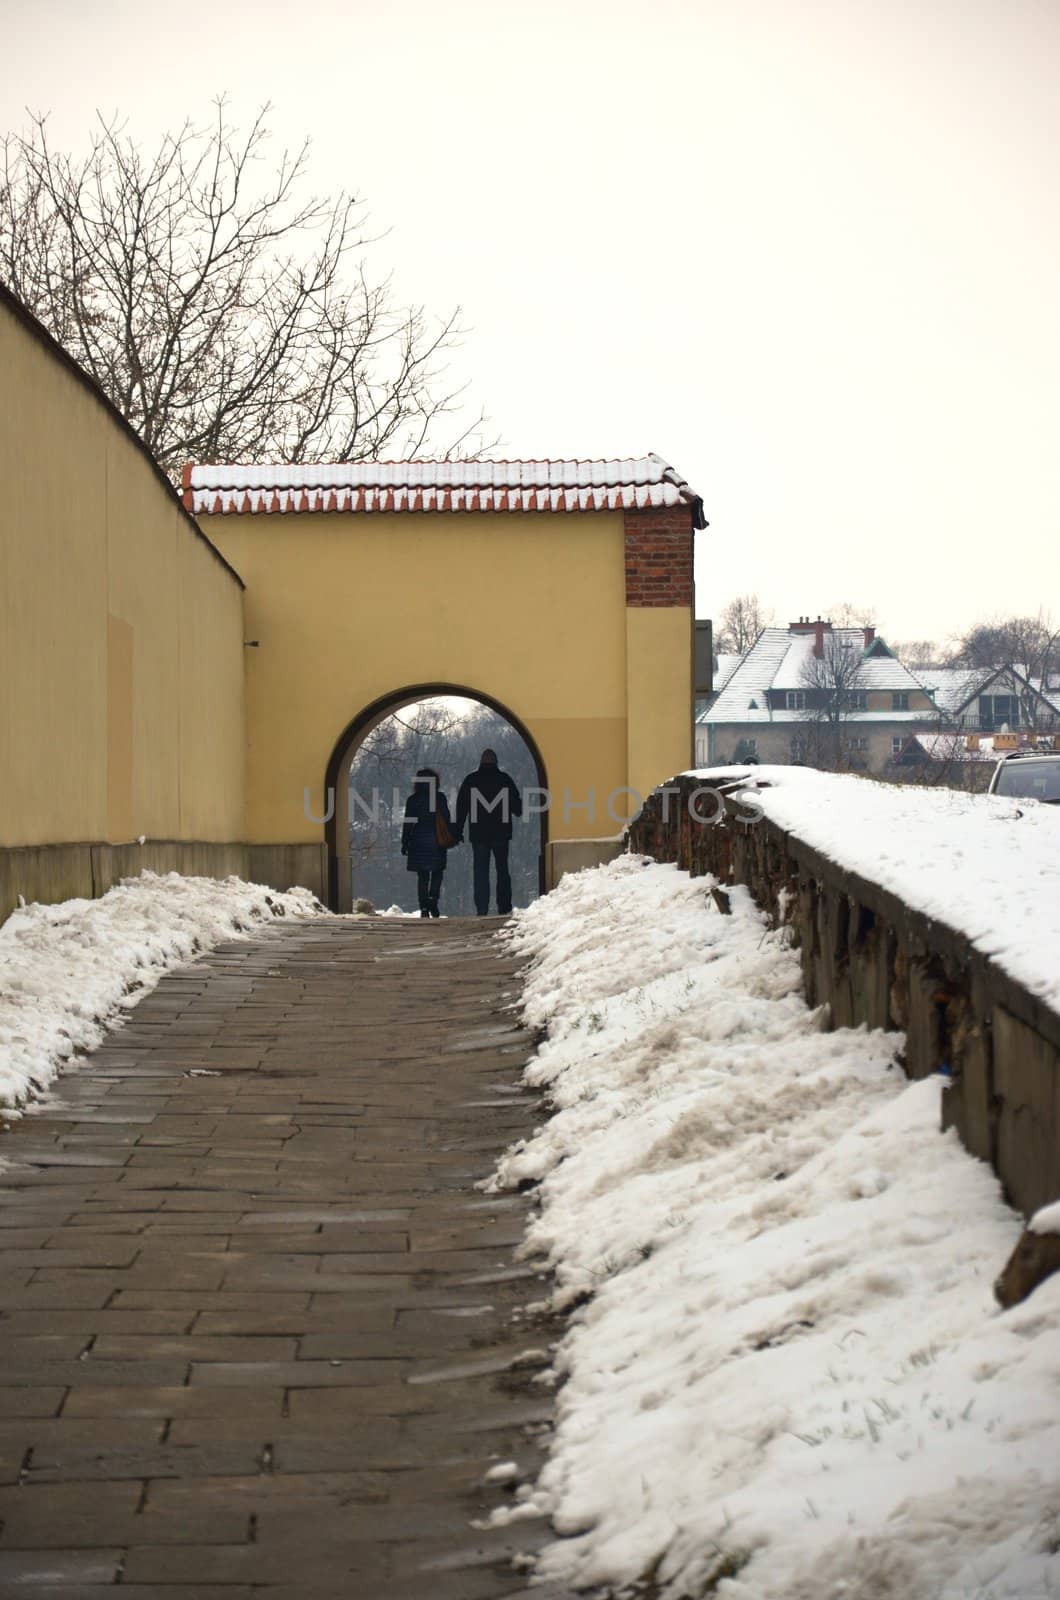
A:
[559,592]
[341,882]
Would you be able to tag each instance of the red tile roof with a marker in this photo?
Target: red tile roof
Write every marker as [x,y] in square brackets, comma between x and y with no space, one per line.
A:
[630,485]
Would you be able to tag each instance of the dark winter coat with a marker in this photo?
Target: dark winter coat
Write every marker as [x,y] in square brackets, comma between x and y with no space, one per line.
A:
[480,791]
[419,831]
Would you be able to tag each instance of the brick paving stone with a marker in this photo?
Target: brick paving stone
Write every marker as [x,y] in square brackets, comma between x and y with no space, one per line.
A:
[223,1300]
[256,1328]
[44,1590]
[56,1431]
[46,1345]
[353,1571]
[188,1348]
[29,1401]
[66,1461]
[89,1324]
[70,1571]
[262,1406]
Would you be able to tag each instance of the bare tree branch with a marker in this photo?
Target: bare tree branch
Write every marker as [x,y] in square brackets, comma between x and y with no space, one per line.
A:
[227,313]
[847,614]
[740,624]
[832,693]
[1029,646]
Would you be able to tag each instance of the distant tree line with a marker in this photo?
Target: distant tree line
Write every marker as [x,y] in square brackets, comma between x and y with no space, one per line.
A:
[834,685]
[1030,644]
[742,619]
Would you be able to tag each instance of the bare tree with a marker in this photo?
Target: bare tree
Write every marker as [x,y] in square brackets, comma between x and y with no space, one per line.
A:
[742,620]
[919,653]
[1028,645]
[227,313]
[846,614]
[830,685]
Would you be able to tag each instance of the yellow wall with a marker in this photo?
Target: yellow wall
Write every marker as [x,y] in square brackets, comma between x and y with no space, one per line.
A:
[526,608]
[660,642]
[121,634]
[883,700]
[129,705]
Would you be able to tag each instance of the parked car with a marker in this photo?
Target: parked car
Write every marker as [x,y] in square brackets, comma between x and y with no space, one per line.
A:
[1025,777]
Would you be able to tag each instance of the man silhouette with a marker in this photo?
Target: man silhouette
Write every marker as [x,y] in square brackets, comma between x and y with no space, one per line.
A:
[486,803]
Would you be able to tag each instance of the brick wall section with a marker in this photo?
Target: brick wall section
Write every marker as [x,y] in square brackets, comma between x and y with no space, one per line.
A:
[659,557]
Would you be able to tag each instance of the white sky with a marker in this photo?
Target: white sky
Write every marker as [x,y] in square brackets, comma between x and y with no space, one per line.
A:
[807,250]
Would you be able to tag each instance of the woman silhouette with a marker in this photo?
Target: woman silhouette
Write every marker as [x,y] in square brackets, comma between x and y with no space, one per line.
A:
[427,823]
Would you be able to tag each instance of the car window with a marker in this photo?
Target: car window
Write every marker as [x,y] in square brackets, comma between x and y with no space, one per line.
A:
[1030,780]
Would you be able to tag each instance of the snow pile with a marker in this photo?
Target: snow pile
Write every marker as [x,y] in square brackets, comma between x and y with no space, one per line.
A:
[985,865]
[69,972]
[1047,1220]
[786,1378]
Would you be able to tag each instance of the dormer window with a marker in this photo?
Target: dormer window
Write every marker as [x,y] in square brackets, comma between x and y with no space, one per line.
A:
[795,700]
[999,710]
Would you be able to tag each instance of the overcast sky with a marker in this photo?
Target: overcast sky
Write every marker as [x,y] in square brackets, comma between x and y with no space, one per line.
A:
[808,252]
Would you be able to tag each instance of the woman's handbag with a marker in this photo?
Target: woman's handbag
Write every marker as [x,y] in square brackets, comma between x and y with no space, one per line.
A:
[443,832]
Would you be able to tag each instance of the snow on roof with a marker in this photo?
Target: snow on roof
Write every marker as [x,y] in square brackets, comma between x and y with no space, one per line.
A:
[953,687]
[646,482]
[727,664]
[1048,688]
[743,699]
[882,671]
[950,687]
[780,660]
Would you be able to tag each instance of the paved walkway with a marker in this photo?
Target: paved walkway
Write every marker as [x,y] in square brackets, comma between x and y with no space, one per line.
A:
[256,1323]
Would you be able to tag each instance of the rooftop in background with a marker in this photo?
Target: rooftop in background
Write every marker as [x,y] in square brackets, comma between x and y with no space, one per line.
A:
[780,660]
[646,483]
[951,687]
[726,663]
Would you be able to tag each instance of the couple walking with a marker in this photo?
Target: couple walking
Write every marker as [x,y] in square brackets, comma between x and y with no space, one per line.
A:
[485,804]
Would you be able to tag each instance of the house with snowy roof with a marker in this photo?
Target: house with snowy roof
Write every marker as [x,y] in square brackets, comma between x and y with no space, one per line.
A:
[815,694]
[992,699]
[725,664]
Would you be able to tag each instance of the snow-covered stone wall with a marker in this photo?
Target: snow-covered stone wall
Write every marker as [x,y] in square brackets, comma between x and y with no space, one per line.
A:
[932,913]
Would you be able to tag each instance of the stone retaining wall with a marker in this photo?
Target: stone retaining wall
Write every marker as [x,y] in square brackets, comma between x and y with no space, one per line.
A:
[872,959]
[54,872]
[574,855]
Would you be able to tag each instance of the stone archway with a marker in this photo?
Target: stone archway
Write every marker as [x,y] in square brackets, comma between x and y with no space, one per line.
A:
[337,775]
[565,586]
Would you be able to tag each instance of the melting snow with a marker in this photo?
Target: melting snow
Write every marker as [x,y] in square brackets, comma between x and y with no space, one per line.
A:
[70,972]
[985,865]
[786,1377]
